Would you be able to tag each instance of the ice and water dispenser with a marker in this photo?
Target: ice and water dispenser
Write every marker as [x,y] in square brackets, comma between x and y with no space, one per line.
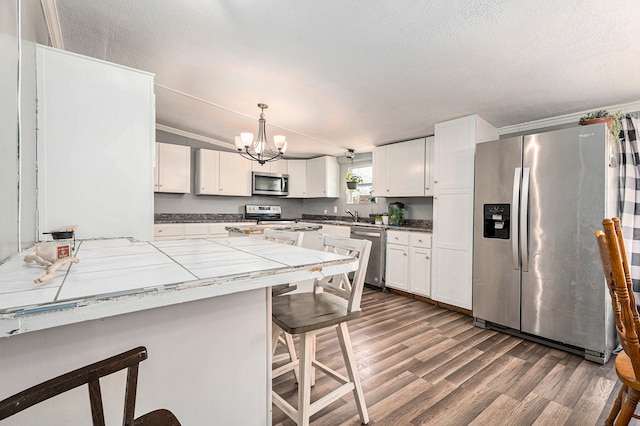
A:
[497,221]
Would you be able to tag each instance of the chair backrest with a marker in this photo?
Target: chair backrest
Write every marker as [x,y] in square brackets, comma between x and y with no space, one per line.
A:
[342,285]
[89,375]
[616,271]
[293,238]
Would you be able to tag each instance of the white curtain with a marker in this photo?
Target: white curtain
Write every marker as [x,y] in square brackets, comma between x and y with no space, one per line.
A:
[630,193]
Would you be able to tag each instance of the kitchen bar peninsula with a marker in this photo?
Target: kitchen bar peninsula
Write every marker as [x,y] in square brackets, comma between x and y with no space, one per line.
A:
[201,307]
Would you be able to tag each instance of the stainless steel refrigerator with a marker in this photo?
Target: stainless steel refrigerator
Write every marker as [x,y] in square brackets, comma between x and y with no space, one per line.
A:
[536,268]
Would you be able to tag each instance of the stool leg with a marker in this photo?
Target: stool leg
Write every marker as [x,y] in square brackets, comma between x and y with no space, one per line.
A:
[275,332]
[616,406]
[352,370]
[304,382]
[292,353]
[628,407]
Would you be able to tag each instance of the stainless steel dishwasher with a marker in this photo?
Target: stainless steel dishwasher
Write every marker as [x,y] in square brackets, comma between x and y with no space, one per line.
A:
[375,269]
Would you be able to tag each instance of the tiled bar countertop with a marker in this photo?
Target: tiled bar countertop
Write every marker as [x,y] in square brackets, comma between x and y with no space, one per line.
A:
[116,276]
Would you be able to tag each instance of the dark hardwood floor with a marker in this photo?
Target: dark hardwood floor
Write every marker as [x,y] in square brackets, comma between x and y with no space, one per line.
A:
[424,365]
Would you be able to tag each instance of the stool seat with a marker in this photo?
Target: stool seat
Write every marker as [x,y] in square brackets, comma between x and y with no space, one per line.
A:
[304,312]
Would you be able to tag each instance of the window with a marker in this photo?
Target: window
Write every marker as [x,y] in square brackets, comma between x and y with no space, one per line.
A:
[362,194]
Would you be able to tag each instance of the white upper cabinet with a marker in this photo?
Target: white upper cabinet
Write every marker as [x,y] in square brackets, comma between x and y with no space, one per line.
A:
[279,166]
[173,168]
[322,177]
[297,178]
[399,169]
[235,175]
[222,173]
[314,178]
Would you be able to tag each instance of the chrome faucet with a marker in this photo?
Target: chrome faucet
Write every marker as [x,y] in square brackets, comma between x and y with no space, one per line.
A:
[355,216]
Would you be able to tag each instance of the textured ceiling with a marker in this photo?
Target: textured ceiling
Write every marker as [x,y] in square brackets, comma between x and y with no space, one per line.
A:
[356,74]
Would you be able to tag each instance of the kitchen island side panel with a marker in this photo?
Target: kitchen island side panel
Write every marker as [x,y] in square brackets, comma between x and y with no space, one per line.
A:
[208,363]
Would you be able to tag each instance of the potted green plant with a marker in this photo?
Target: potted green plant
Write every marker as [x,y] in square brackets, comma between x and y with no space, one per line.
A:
[352,180]
[614,121]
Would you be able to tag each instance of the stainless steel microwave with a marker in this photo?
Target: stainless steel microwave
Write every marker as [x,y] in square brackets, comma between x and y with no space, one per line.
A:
[269,184]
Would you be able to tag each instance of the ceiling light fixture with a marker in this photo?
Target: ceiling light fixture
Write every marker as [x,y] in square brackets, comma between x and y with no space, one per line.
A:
[350,154]
[259,149]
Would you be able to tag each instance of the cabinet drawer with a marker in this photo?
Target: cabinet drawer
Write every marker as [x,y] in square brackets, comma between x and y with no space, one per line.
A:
[168,230]
[420,239]
[398,237]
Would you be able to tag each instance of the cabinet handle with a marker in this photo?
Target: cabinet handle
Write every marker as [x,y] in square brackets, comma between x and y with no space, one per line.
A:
[404,254]
[435,181]
[427,257]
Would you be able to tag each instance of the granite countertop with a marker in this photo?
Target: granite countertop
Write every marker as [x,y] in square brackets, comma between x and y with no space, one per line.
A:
[259,229]
[415,225]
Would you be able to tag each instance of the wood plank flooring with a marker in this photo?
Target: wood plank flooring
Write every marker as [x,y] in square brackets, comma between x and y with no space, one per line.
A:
[424,365]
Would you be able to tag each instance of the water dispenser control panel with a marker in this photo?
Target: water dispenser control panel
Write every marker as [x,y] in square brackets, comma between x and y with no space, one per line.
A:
[497,221]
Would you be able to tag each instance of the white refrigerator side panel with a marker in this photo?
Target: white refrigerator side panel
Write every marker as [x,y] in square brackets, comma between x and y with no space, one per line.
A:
[95,146]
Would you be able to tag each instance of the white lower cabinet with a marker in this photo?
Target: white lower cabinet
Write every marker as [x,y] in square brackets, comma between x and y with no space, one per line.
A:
[181,231]
[397,268]
[408,264]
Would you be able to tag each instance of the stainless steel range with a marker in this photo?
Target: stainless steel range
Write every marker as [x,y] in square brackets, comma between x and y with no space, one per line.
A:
[265,214]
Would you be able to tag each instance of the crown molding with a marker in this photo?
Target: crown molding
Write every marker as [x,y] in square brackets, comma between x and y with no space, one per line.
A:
[563,119]
[194,136]
[50,10]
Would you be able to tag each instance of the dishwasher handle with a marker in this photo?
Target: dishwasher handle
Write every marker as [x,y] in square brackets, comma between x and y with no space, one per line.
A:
[366,234]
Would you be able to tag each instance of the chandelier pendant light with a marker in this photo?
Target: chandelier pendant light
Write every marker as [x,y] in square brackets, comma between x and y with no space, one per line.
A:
[259,149]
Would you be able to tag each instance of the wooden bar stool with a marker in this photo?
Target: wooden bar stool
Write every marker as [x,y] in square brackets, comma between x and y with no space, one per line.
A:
[293,238]
[335,301]
[616,271]
[90,375]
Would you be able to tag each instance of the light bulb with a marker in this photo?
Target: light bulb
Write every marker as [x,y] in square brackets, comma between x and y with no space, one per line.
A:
[247,139]
[239,145]
[279,141]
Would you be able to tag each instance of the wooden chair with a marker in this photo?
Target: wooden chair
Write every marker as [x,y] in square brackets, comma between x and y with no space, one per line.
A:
[335,301]
[91,375]
[616,271]
[293,238]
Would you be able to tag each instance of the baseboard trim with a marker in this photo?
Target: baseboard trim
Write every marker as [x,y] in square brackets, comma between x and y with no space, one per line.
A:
[430,301]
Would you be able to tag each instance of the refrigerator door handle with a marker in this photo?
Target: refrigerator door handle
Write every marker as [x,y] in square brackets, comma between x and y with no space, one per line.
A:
[524,216]
[515,215]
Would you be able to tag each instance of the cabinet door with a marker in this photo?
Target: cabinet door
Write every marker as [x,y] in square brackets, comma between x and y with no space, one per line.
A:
[428,166]
[235,175]
[174,168]
[297,178]
[280,167]
[405,168]
[207,172]
[420,271]
[397,267]
[453,247]
[322,177]
[454,153]
[380,177]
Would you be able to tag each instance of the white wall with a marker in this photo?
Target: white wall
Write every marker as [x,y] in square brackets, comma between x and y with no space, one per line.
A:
[18,147]
[9,52]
